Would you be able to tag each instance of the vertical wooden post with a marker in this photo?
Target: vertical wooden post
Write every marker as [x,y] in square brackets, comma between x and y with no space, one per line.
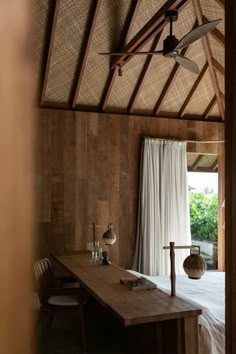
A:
[172,269]
[16,177]
[230,172]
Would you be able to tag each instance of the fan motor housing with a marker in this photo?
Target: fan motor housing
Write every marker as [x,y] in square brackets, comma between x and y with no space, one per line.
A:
[169,44]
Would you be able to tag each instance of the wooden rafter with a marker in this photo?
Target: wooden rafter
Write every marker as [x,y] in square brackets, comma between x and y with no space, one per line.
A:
[54,23]
[218,36]
[142,75]
[218,67]
[215,33]
[150,30]
[208,53]
[193,89]
[168,85]
[128,26]
[196,162]
[214,166]
[209,108]
[221,3]
[93,20]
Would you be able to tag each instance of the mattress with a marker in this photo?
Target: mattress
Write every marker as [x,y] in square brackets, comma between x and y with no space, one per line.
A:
[209,294]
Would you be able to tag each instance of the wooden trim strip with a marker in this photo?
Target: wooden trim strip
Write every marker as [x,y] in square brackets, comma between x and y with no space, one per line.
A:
[49,56]
[123,112]
[142,75]
[218,67]
[209,108]
[151,29]
[130,21]
[195,85]
[208,53]
[93,22]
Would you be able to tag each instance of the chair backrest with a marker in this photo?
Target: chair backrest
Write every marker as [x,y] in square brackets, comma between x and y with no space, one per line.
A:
[43,276]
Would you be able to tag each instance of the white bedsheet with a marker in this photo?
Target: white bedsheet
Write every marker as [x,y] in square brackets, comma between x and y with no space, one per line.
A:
[208,293]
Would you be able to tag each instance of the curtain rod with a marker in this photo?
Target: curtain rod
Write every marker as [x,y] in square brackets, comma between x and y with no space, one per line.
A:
[189,141]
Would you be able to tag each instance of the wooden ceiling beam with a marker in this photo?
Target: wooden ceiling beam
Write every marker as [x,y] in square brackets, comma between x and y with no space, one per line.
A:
[218,67]
[89,36]
[215,33]
[142,75]
[209,108]
[111,78]
[49,56]
[208,53]
[193,89]
[150,30]
[221,3]
[196,162]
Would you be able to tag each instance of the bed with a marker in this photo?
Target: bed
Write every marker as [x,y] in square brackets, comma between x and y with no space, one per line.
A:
[209,293]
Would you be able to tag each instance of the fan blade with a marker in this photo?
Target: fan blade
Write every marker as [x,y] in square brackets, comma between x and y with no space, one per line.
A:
[134,53]
[197,33]
[187,64]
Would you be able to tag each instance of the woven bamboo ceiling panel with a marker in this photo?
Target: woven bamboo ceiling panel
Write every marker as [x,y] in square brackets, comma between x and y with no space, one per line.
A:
[70,34]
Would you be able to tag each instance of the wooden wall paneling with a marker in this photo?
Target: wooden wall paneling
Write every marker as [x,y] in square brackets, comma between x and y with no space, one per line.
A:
[69,180]
[114,182]
[230,173]
[101,175]
[57,241]
[43,183]
[124,214]
[81,186]
[43,165]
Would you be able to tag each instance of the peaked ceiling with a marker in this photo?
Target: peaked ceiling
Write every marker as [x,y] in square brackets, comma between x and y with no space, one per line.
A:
[71,74]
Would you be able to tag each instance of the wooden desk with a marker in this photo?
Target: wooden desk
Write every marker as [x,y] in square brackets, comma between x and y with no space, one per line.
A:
[135,307]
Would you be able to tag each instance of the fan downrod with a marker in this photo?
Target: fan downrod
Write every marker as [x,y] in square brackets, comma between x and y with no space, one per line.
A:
[171,16]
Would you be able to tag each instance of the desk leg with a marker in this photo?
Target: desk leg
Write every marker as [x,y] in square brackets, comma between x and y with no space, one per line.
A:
[188,335]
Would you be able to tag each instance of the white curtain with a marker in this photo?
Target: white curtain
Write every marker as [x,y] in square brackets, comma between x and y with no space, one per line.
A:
[163,207]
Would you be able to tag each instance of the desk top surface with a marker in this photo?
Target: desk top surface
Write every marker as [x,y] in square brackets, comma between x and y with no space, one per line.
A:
[131,307]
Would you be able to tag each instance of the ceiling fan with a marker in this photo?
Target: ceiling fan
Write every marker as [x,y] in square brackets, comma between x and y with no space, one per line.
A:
[172,45]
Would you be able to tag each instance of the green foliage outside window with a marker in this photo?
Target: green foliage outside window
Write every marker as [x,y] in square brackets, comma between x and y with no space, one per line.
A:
[204,216]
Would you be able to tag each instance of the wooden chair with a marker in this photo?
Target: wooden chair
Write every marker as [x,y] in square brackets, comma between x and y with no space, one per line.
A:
[55,298]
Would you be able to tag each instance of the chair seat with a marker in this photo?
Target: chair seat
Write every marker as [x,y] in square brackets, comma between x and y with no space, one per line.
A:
[62,300]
